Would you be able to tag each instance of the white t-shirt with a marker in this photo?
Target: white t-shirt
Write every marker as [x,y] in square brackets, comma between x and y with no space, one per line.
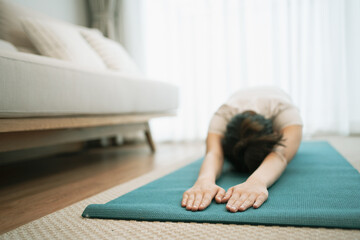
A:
[271,102]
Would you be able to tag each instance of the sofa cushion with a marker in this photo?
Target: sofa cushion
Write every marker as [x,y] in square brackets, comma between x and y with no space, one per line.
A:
[10,25]
[112,53]
[6,46]
[61,41]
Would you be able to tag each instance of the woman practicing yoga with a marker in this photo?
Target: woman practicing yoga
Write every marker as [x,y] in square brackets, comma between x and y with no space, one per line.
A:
[259,131]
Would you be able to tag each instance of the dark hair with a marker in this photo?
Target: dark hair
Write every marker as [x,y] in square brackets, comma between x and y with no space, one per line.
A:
[248,139]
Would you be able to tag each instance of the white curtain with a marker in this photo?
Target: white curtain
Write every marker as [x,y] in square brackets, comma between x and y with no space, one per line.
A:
[211,48]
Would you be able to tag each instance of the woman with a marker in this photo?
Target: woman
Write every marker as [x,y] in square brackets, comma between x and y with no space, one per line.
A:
[259,131]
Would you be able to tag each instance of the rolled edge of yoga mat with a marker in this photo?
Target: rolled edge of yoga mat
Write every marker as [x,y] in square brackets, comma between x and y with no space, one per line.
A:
[138,212]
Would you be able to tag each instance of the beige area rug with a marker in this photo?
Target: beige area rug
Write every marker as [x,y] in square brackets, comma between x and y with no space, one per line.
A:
[68,223]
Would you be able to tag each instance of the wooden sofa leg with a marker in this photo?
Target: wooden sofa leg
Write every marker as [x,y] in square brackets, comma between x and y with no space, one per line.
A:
[149,137]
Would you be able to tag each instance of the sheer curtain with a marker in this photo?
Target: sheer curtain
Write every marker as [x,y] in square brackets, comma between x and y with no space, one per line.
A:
[102,16]
[211,48]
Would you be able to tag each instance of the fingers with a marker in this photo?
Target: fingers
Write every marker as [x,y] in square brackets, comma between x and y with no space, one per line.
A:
[231,205]
[198,198]
[260,200]
[247,203]
[184,200]
[235,201]
[205,201]
[190,201]
[238,202]
[220,195]
[241,202]
[193,201]
[244,196]
[202,201]
[227,195]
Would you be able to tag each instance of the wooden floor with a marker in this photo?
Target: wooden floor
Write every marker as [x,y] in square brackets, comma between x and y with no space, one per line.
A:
[35,188]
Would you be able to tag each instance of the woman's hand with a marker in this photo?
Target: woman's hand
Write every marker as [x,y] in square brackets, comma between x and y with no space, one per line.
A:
[201,194]
[245,195]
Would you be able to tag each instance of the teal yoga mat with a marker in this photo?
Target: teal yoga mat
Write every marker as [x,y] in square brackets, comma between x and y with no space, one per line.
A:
[319,188]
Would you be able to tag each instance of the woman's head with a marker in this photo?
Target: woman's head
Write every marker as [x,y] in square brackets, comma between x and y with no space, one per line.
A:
[248,139]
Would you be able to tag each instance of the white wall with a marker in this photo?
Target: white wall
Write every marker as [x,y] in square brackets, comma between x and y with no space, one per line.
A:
[74,11]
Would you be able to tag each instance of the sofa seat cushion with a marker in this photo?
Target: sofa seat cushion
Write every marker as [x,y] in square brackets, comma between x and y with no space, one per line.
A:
[33,86]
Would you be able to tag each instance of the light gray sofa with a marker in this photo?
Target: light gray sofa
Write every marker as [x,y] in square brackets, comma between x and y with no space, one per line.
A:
[45,101]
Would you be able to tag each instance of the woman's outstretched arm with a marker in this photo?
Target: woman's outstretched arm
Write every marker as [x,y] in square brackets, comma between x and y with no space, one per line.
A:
[204,190]
[254,192]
